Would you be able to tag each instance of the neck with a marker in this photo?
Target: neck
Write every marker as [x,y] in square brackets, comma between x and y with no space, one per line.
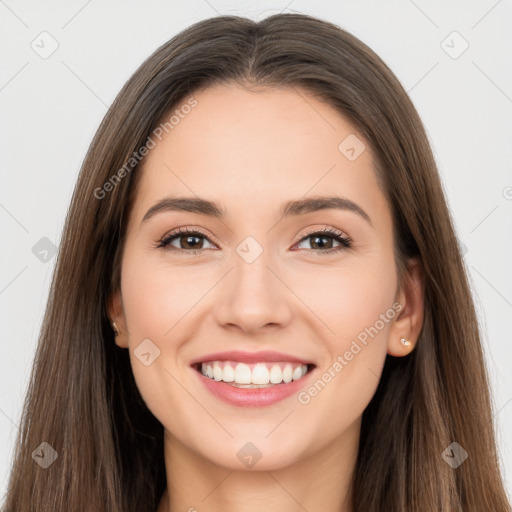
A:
[321,481]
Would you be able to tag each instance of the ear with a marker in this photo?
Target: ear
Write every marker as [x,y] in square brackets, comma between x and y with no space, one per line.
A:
[409,321]
[116,314]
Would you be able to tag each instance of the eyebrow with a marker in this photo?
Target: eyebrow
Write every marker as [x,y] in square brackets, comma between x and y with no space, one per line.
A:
[290,208]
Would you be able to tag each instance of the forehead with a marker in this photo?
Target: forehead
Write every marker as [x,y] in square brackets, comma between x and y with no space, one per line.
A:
[252,149]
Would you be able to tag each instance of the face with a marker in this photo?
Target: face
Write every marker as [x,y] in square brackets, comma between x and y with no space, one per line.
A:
[267,290]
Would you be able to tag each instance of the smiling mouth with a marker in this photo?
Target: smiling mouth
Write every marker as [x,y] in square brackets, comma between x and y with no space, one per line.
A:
[257,375]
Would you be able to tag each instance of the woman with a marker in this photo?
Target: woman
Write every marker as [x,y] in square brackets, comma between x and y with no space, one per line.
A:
[259,300]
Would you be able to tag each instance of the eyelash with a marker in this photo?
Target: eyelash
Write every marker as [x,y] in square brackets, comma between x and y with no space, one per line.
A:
[345,241]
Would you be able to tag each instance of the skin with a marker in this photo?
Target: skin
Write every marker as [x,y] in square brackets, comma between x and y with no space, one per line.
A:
[251,151]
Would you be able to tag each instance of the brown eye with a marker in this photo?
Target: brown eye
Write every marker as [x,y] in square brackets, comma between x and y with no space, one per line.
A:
[322,241]
[187,241]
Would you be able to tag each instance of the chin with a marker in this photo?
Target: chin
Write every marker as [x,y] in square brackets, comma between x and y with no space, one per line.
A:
[250,453]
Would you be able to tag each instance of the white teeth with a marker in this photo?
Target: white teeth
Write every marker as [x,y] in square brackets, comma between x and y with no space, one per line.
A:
[242,374]
[276,375]
[228,374]
[287,373]
[217,372]
[259,374]
[297,373]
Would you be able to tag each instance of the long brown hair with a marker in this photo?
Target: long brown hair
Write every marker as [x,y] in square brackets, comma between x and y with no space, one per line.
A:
[82,399]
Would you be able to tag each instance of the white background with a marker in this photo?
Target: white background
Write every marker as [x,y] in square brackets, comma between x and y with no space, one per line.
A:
[50,109]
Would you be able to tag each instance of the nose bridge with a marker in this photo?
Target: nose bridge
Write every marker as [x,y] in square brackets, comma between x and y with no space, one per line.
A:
[254,296]
[251,273]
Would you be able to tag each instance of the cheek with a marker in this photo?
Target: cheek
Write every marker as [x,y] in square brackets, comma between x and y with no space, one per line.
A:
[156,300]
[354,304]
[351,297]
[157,296]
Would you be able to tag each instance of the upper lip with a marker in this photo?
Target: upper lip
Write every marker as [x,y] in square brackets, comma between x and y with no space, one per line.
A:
[250,357]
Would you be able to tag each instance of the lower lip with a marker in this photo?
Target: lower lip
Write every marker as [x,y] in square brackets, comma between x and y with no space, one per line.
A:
[252,397]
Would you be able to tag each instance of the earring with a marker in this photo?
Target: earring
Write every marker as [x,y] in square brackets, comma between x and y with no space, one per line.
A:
[116,330]
[405,342]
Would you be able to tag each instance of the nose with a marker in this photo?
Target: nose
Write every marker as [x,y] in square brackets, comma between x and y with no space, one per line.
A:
[254,296]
